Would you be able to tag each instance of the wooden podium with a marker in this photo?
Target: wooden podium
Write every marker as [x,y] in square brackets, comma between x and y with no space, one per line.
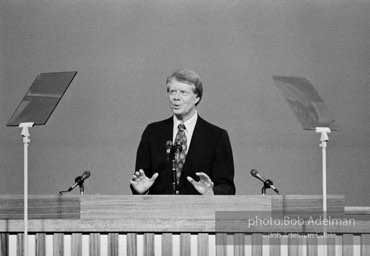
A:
[183,225]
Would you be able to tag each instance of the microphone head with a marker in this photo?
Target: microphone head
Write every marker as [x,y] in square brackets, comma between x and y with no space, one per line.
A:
[254,172]
[86,174]
[178,146]
[168,144]
[168,149]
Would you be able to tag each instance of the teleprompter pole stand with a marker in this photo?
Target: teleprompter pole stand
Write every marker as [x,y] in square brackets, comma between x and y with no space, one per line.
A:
[324,139]
[26,140]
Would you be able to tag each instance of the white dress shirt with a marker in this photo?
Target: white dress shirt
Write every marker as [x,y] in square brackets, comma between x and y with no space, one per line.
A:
[189,128]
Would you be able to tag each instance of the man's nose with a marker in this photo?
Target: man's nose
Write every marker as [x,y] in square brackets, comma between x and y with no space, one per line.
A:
[176,96]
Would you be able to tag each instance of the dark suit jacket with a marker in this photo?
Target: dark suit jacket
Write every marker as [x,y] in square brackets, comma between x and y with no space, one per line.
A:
[209,152]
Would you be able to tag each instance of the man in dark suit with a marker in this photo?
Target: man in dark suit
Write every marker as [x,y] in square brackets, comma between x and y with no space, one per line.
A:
[206,153]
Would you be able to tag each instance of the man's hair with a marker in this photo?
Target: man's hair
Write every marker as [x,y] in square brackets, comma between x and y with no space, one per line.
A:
[189,77]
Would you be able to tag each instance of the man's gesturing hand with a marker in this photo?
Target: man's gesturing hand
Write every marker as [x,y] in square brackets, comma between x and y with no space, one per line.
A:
[141,183]
[204,185]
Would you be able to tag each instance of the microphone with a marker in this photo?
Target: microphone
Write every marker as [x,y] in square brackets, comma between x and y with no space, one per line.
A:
[168,149]
[267,182]
[177,147]
[80,180]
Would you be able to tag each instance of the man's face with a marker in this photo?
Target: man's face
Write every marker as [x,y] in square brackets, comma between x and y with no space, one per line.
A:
[182,99]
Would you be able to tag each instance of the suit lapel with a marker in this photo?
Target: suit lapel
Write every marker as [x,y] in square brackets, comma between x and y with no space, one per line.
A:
[167,129]
[197,140]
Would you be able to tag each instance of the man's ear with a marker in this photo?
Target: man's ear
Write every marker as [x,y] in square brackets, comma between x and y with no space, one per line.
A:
[197,99]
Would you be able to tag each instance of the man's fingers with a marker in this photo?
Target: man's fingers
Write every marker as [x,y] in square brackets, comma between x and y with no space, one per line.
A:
[191,180]
[155,175]
[201,174]
[139,174]
[203,177]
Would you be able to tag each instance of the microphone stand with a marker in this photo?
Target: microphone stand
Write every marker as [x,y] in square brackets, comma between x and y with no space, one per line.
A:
[266,184]
[174,157]
[175,162]
[82,189]
[80,183]
[174,177]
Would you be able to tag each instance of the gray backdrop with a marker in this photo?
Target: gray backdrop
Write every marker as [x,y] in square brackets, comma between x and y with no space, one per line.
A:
[123,51]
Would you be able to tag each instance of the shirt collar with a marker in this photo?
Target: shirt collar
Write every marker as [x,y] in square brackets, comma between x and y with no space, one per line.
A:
[189,124]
